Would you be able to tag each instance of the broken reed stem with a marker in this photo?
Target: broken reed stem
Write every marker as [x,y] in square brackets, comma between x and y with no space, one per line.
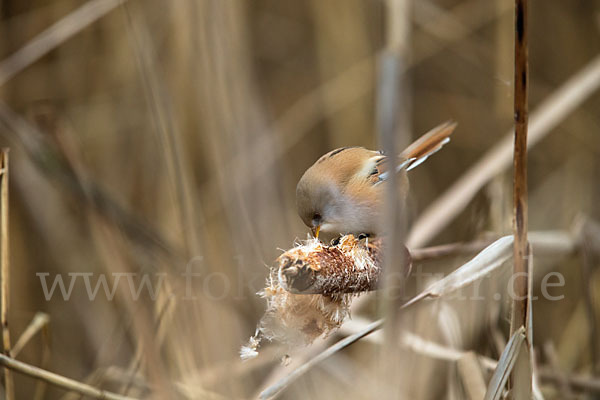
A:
[59,380]
[520,167]
[4,269]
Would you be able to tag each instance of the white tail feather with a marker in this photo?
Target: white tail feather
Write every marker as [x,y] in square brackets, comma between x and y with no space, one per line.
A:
[420,160]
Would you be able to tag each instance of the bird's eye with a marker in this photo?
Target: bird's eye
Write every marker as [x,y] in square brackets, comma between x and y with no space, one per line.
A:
[316,217]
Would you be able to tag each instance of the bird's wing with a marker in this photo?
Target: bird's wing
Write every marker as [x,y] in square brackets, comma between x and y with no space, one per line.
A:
[377,168]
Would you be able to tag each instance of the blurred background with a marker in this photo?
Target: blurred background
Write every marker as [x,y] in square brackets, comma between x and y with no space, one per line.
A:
[159,138]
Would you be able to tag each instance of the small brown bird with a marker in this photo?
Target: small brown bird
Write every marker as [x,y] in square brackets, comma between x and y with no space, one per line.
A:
[343,192]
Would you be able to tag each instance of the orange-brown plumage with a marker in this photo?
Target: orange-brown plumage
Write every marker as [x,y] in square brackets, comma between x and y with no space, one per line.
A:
[342,192]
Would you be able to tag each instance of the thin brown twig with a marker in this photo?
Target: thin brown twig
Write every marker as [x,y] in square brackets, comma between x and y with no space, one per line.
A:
[5,269]
[59,380]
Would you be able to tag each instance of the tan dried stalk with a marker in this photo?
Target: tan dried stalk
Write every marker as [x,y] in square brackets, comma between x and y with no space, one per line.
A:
[59,380]
[5,270]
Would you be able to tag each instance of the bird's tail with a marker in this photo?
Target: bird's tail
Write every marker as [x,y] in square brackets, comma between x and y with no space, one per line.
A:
[426,145]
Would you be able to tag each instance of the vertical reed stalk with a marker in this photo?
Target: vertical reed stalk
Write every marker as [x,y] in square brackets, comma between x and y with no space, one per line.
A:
[4,270]
[521,248]
[392,123]
[520,165]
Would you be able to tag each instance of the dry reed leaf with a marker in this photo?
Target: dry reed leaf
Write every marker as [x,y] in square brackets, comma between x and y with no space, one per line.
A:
[505,365]
[481,265]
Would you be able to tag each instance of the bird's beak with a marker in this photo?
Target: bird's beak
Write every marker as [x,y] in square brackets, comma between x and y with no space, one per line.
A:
[315,230]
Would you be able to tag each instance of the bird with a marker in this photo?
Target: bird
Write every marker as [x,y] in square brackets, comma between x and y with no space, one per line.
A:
[343,191]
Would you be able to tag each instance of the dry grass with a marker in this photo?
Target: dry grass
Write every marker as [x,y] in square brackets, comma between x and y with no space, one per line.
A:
[160,143]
